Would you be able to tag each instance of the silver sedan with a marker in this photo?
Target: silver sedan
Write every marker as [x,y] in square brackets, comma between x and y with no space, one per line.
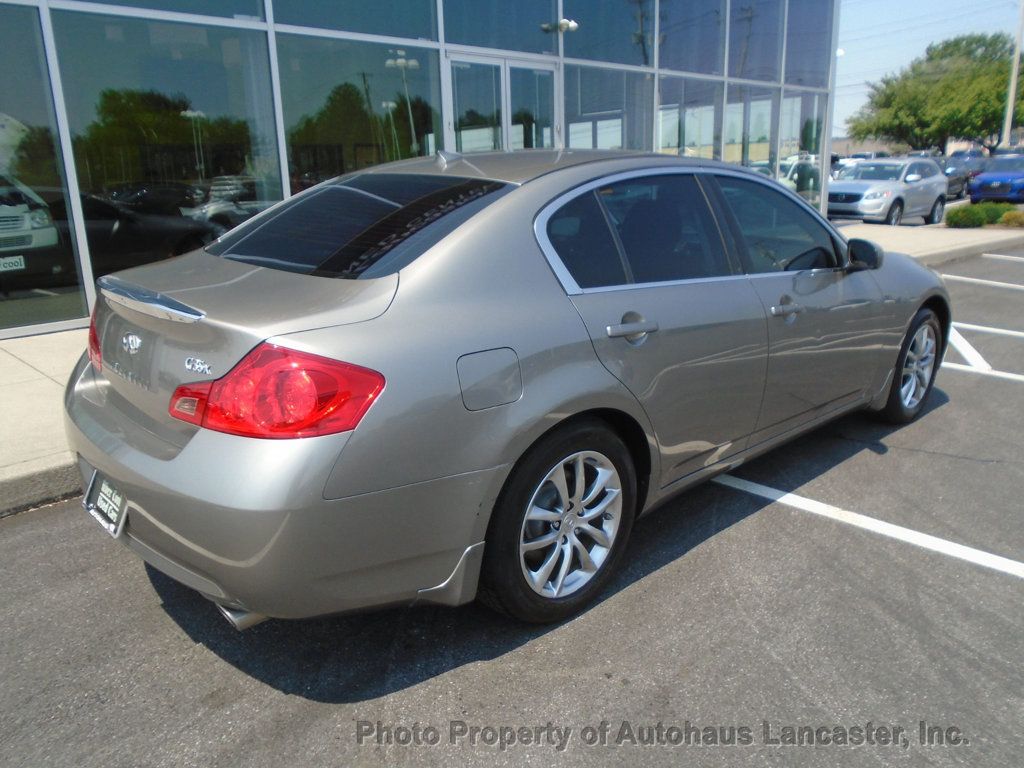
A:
[466,377]
[888,191]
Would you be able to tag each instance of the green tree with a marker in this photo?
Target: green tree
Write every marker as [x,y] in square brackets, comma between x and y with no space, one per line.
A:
[35,159]
[956,90]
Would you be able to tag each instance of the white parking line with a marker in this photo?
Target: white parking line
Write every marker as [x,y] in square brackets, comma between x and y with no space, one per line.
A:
[995,374]
[1002,257]
[988,329]
[979,281]
[967,351]
[898,532]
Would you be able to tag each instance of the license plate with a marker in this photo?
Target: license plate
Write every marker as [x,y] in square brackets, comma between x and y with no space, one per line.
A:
[106,503]
[11,263]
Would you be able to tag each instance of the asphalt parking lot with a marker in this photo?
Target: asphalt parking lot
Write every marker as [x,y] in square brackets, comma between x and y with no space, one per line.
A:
[886,591]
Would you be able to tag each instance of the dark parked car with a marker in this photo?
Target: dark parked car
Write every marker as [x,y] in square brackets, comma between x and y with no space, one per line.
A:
[119,237]
[164,198]
[958,175]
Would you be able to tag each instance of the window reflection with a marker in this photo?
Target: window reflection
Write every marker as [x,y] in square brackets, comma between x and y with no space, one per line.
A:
[39,279]
[801,123]
[523,25]
[398,18]
[690,117]
[533,106]
[608,108]
[613,30]
[808,42]
[476,93]
[755,39]
[748,127]
[692,35]
[234,9]
[349,105]
[173,132]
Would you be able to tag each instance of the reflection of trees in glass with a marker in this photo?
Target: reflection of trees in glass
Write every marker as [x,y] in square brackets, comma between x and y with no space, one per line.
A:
[810,135]
[149,136]
[347,133]
[35,159]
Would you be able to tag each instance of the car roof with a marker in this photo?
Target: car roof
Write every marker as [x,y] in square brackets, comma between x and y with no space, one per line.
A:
[523,165]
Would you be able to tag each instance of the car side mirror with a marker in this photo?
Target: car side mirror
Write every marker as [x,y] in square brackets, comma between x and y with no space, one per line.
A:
[912,178]
[864,254]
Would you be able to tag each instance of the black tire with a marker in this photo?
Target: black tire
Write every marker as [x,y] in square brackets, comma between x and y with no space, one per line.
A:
[896,411]
[503,583]
[895,215]
[938,209]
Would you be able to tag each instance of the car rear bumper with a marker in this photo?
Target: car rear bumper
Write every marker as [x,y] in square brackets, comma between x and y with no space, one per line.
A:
[1004,196]
[244,521]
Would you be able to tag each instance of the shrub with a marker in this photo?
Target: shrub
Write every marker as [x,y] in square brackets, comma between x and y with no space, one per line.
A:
[966,217]
[1012,219]
[994,211]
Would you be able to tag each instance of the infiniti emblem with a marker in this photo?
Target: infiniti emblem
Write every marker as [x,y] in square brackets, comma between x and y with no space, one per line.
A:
[131,343]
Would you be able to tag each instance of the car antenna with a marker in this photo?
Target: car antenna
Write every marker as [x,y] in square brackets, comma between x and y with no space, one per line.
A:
[445,156]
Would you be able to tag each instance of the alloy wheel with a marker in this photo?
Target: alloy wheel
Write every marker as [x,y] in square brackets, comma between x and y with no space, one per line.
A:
[918,367]
[570,524]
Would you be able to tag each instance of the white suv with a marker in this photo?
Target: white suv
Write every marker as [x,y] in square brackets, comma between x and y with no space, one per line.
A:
[25,224]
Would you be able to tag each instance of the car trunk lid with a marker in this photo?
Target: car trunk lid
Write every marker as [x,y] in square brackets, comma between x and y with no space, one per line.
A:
[193,318]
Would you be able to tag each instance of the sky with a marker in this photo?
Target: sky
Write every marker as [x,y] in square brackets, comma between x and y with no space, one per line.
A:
[879,37]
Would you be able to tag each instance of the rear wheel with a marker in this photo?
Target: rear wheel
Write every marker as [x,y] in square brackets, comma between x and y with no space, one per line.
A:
[935,216]
[560,525]
[895,214]
[916,367]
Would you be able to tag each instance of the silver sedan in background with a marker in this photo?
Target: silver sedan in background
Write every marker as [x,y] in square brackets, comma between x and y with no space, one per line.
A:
[888,191]
[464,377]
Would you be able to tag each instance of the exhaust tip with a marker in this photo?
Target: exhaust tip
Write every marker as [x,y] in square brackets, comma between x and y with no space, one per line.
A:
[240,619]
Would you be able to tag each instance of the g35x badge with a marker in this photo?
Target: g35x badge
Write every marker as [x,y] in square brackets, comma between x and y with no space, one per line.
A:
[197,365]
[131,343]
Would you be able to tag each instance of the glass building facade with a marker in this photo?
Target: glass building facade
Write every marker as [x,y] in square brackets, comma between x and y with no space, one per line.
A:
[135,130]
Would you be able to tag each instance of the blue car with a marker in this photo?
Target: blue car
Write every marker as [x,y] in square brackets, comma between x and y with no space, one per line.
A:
[1003,179]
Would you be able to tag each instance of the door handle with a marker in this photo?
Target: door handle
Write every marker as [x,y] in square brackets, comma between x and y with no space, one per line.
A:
[631,330]
[785,310]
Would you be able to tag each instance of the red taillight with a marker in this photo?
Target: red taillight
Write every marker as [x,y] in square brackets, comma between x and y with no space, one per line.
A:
[279,393]
[95,357]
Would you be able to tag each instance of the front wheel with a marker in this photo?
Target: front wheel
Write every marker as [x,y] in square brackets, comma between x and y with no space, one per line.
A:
[560,525]
[895,215]
[916,366]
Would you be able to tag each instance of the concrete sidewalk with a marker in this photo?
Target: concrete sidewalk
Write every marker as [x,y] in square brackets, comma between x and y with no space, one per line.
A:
[36,466]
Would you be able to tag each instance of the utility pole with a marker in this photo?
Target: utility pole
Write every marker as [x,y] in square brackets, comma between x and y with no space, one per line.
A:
[1011,94]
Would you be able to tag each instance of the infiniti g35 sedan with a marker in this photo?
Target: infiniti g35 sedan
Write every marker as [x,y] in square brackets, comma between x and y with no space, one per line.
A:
[461,377]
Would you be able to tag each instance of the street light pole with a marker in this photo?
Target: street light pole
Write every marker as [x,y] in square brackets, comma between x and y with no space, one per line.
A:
[404,64]
[1011,93]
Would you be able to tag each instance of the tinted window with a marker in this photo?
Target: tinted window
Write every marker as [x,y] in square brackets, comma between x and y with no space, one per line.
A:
[808,42]
[665,228]
[777,233]
[692,35]
[622,32]
[525,25]
[755,39]
[579,233]
[399,18]
[359,227]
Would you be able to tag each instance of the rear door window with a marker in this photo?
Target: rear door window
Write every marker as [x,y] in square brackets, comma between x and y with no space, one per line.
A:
[579,233]
[359,227]
[666,228]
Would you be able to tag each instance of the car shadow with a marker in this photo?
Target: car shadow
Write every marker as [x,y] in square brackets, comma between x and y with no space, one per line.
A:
[354,658]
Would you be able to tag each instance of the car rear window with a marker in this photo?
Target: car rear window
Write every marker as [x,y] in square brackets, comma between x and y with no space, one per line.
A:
[361,226]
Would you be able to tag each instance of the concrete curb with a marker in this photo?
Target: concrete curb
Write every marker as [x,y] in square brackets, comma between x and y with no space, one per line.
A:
[37,482]
[961,252]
